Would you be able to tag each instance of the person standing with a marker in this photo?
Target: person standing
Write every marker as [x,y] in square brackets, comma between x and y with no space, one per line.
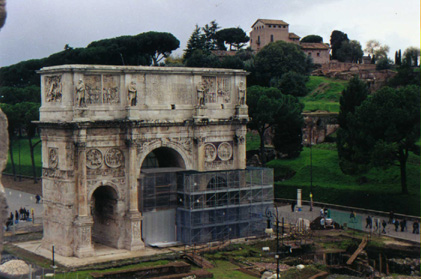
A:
[384,224]
[293,206]
[396,225]
[368,222]
[403,225]
[416,227]
[38,198]
[16,216]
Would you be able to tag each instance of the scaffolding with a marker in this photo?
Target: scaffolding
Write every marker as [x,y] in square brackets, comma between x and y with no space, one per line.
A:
[215,206]
[208,206]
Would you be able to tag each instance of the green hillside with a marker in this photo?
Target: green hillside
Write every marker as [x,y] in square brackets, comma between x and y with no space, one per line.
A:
[324,94]
[378,189]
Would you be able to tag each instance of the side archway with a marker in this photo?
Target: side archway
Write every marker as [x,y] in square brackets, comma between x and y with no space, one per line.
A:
[107,223]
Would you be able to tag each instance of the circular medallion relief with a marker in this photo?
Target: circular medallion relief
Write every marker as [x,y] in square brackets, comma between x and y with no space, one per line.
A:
[94,159]
[210,152]
[53,158]
[225,151]
[114,158]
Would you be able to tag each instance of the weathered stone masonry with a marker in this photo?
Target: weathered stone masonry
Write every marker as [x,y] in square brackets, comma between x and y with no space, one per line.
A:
[99,123]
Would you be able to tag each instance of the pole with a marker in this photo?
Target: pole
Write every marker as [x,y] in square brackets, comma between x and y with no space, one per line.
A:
[277,243]
[311,169]
[53,256]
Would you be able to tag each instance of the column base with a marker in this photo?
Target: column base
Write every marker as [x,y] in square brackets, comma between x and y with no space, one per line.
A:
[134,228]
[83,237]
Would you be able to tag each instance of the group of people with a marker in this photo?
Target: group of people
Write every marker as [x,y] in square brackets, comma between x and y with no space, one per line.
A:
[22,215]
[399,225]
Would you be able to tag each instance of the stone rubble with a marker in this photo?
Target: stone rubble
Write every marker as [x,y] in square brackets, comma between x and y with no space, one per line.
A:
[14,268]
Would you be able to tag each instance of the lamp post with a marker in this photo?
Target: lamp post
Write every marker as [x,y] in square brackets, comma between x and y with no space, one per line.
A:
[310,125]
[270,215]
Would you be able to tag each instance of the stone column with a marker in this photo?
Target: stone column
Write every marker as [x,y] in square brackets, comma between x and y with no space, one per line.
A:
[84,222]
[240,147]
[133,217]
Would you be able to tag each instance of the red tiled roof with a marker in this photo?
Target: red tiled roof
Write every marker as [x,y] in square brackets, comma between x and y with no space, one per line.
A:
[270,21]
[293,36]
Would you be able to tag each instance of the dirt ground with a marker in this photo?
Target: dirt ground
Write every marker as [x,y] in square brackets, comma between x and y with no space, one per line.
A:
[24,184]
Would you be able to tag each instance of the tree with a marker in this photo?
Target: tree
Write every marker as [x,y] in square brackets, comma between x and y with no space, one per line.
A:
[287,130]
[375,48]
[209,35]
[411,55]
[406,76]
[384,64]
[388,125]
[278,58]
[336,39]
[263,105]
[291,83]
[158,45]
[200,58]
[352,97]
[195,42]
[350,51]
[234,37]
[312,39]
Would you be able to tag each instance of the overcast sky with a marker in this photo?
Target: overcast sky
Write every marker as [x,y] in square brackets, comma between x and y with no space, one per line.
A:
[39,28]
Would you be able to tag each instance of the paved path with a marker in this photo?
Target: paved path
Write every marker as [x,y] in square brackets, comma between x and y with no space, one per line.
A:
[18,199]
[342,216]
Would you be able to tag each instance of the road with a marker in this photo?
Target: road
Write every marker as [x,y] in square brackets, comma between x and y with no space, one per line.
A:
[342,217]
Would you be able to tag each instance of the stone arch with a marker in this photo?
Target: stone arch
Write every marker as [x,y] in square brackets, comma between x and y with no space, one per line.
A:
[107,220]
[185,156]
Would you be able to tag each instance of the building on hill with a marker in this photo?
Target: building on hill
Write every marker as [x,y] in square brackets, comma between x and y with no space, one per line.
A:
[319,52]
[266,31]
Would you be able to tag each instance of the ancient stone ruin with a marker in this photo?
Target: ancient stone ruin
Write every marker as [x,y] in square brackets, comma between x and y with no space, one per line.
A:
[4,145]
[134,155]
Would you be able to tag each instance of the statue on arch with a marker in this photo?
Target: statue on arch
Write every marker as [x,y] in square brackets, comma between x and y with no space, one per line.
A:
[132,94]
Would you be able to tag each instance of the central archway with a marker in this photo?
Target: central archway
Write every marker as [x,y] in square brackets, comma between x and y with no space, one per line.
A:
[157,199]
[106,228]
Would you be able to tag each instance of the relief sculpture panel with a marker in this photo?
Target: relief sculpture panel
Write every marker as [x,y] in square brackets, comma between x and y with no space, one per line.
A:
[216,89]
[111,85]
[53,89]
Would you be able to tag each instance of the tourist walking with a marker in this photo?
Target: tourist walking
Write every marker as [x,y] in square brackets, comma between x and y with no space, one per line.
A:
[37,198]
[369,222]
[293,206]
[416,227]
[396,225]
[403,225]
[384,224]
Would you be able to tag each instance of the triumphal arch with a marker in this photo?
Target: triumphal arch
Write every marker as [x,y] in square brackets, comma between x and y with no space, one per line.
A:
[134,155]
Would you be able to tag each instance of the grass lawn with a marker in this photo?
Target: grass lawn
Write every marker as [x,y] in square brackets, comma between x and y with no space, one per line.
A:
[381,191]
[21,147]
[324,94]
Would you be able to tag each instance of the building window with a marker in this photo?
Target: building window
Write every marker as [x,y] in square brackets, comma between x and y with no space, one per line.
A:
[270,26]
[309,54]
[318,54]
[271,38]
[258,40]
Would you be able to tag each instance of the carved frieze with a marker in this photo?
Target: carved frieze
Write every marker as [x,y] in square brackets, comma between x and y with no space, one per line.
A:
[55,173]
[184,143]
[94,159]
[136,230]
[110,89]
[218,151]
[53,157]
[210,152]
[216,89]
[215,165]
[106,172]
[93,89]
[114,158]
[225,151]
[53,89]
[86,235]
